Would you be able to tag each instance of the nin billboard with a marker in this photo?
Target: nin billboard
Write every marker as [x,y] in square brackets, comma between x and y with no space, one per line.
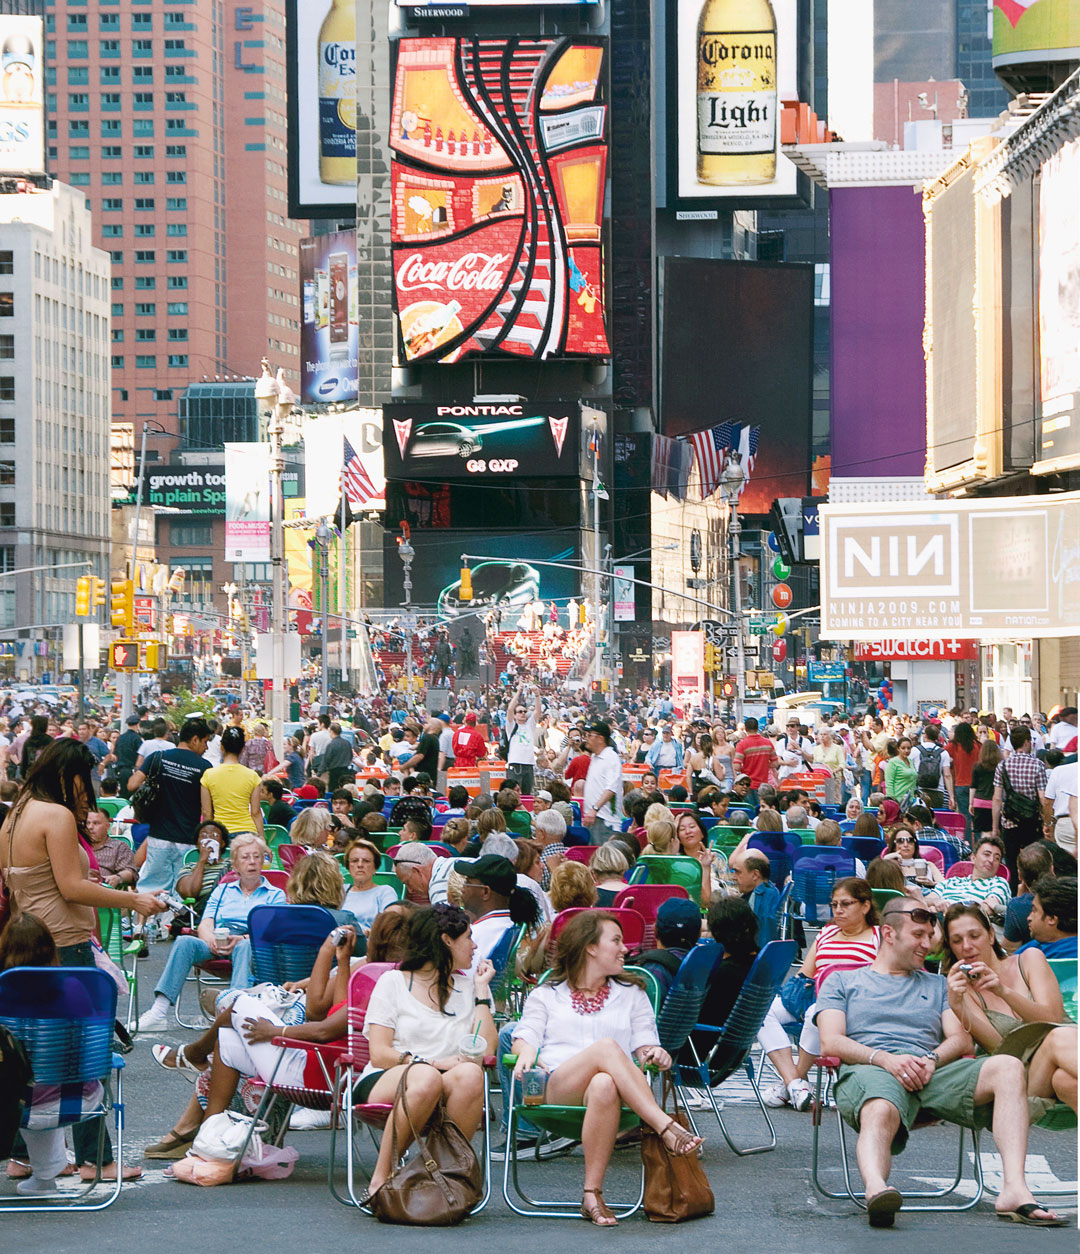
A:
[498,178]
[499,441]
[738,345]
[330,330]
[22,77]
[1001,569]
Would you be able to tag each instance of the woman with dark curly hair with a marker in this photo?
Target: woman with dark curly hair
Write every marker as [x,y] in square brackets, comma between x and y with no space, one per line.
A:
[426,1011]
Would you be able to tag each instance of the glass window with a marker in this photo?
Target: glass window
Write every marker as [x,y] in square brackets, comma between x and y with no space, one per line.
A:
[146,334]
[178,359]
[146,282]
[7,387]
[145,309]
[112,178]
[7,473]
[7,345]
[179,307]
[7,430]
[176,202]
[7,304]
[189,535]
[144,229]
[146,361]
[7,261]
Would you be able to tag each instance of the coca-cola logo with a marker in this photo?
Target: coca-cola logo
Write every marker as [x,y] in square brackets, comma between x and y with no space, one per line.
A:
[471,272]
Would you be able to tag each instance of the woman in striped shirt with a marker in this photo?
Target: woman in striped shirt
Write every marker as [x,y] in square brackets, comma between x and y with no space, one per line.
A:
[850,941]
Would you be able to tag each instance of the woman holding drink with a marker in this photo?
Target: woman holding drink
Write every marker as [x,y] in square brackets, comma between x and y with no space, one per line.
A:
[585,1027]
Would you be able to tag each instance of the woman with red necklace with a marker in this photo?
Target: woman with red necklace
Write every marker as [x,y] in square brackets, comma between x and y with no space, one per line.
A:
[586,1025]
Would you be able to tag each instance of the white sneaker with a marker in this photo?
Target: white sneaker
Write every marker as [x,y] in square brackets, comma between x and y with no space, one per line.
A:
[800,1094]
[304,1120]
[775,1095]
[154,1020]
[33,1186]
[696,1099]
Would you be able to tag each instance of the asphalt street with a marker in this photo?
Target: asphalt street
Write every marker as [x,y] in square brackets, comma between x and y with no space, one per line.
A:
[764,1202]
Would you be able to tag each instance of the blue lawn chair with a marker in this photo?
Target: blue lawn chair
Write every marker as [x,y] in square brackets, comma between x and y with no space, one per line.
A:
[865,848]
[817,868]
[64,1017]
[577,835]
[285,941]
[736,1037]
[772,845]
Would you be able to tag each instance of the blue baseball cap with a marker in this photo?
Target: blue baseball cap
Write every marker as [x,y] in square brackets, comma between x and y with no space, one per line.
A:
[678,923]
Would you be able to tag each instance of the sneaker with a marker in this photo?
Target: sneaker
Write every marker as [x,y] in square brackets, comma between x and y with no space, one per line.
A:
[154,1020]
[800,1094]
[304,1120]
[776,1095]
[36,1186]
[556,1145]
[525,1144]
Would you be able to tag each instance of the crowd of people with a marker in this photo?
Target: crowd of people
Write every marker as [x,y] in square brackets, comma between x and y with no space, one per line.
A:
[432,841]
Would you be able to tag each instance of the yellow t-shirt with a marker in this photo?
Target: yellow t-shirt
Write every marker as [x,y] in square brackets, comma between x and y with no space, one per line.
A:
[230,787]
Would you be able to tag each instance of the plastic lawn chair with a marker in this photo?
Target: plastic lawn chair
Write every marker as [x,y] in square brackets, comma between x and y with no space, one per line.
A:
[647,899]
[681,870]
[285,941]
[390,878]
[632,924]
[111,931]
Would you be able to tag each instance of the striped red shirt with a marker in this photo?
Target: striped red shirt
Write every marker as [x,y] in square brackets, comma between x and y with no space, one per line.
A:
[836,953]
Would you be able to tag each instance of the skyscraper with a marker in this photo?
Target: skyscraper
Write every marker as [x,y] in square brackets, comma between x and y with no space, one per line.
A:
[171,119]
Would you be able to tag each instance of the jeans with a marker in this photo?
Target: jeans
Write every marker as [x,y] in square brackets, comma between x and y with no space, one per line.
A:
[506,1037]
[600,833]
[963,797]
[163,866]
[523,773]
[187,952]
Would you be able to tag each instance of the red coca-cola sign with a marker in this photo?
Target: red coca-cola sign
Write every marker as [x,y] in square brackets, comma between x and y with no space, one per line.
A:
[916,650]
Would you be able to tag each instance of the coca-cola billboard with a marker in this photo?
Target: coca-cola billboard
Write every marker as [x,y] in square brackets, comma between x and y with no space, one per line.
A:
[498,194]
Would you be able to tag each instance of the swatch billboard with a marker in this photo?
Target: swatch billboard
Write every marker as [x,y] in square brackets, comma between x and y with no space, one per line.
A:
[498,177]
[330,330]
[478,441]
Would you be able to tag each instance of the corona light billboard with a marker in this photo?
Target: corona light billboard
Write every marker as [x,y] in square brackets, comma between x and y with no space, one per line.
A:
[997,569]
[498,178]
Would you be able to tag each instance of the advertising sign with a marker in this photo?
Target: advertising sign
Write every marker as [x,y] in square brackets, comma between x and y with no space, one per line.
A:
[326,442]
[622,594]
[688,668]
[1035,30]
[175,488]
[498,179]
[441,442]
[507,580]
[1059,311]
[330,329]
[734,63]
[22,101]
[247,502]
[321,67]
[826,673]
[926,650]
[993,570]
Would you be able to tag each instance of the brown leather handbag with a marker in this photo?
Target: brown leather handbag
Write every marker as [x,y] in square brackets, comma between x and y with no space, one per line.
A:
[440,1184]
[676,1188]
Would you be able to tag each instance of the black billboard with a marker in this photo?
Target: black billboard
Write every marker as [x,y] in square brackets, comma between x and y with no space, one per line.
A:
[428,442]
[738,346]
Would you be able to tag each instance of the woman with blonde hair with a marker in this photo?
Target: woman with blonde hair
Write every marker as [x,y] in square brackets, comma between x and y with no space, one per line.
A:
[311,828]
[658,811]
[661,834]
[608,865]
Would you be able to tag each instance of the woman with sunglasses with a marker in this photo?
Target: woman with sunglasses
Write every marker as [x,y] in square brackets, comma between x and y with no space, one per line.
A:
[850,941]
[1010,1005]
[903,848]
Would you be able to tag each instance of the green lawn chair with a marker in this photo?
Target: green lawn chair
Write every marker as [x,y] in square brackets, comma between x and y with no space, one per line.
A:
[563,1121]
[682,870]
[111,928]
[391,878]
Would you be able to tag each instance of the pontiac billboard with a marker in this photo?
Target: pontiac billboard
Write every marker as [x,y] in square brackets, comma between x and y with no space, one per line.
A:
[1003,569]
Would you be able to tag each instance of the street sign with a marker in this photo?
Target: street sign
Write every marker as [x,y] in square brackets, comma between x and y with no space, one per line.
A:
[826,672]
[697,583]
[761,623]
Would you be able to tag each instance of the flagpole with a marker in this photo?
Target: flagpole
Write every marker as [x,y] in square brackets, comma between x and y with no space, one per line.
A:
[342,583]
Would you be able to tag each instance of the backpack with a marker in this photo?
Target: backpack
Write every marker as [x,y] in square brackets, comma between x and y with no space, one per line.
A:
[929,767]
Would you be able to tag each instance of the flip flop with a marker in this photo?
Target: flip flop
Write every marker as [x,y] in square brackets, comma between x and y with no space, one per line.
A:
[882,1207]
[1026,1215]
[180,1061]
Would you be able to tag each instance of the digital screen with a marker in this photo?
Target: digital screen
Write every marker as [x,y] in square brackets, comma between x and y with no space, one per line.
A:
[22,77]
[498,178]
[440,442]
[330,328]
[754,368]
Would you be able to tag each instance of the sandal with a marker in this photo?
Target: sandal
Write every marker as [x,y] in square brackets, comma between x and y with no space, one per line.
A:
[89,1172]
[1025,1214]
[173,1145]
[179,1063]
[677,1140]
[597,1212]
[17,1169]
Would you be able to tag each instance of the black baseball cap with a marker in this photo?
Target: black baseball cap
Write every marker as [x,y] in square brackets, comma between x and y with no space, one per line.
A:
[493,870]
[601,729]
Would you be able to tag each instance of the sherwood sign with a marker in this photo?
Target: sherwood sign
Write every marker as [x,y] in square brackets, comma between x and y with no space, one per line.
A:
[1001,569]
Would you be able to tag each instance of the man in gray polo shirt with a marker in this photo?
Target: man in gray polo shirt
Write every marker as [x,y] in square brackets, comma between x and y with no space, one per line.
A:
[890,1023]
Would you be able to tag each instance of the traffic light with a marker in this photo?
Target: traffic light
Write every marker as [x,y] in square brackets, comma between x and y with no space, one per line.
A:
[710,657]
[153,656]
[122,605]
[124,655]
[465,593]
[97,591]
[82,596]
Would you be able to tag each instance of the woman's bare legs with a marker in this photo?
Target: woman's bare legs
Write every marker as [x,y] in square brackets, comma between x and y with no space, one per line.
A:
[463,1088]
[423,1089]
[1052,1071]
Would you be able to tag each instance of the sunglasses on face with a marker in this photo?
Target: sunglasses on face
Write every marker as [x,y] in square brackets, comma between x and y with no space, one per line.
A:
[843,905]
[918,914]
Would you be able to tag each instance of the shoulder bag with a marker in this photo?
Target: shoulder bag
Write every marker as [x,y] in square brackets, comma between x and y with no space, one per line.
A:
[144,798]
[440,1184]
[676,1188]
[1018,807]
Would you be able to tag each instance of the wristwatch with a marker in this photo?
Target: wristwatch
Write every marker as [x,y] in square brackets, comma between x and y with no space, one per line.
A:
[933,1054]
[483,1001]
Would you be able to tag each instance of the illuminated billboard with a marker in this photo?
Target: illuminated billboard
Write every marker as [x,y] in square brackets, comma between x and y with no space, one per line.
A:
[992,569]
[731,64]
[429,442]
[1059,311]
[497,180]
[1035,31]
[22,77]
[330,330]
[321,66]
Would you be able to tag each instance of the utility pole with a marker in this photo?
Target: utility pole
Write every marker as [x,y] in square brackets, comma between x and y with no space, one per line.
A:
[322,537]
[406,552]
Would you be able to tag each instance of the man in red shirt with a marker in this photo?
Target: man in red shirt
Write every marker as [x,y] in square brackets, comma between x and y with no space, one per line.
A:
[469,743]
[754,756]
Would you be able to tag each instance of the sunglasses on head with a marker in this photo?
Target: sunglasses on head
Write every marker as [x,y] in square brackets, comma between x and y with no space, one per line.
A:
[918,914]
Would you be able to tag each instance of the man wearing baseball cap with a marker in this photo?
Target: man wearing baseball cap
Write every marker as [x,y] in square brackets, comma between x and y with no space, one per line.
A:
[602,801]
[469,744]
[492,899]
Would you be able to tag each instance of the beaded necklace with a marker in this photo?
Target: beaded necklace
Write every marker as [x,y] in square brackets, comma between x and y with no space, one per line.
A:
[589,1003]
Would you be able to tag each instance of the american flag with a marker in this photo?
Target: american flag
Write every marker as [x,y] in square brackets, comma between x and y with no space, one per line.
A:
[710,447]
[355,482]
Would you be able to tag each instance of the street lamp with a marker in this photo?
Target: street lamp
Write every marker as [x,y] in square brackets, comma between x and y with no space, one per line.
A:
[732,479]
[406,552]
[322,539]
[276,400]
